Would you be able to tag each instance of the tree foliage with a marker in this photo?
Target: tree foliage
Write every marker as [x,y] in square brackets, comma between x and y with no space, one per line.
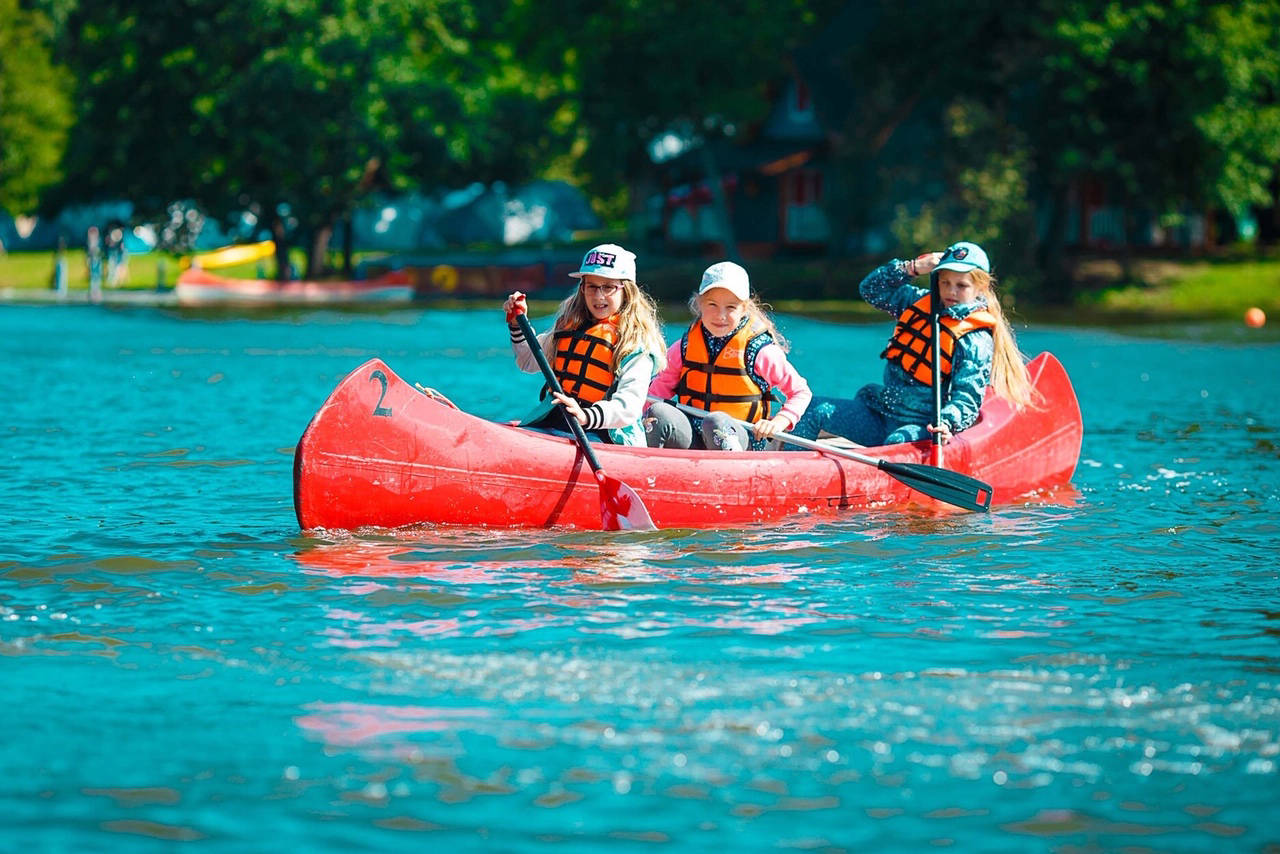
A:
[635,69]
[35,110]
[1171,100]
[296,109]
[981,122]
[944,118]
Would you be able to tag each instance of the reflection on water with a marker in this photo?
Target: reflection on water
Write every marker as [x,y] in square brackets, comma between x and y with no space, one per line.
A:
[350,724]
[698,708]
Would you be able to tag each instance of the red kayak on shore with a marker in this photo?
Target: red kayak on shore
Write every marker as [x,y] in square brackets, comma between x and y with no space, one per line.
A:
[382,453]
[196,287]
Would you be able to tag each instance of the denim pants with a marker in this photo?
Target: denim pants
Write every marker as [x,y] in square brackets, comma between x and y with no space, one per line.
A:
[857,420]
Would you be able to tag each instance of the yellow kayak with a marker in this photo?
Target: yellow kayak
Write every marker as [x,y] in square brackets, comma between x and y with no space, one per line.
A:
[229,256]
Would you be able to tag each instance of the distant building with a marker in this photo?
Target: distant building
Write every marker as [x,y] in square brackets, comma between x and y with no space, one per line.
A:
[779,182]
[772,183]
[1095,221]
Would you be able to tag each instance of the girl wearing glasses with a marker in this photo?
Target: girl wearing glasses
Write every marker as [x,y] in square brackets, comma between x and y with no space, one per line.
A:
[731,362]
[605,345]
[978,350]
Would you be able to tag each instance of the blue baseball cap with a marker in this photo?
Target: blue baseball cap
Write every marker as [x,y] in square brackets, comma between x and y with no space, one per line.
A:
[964,257]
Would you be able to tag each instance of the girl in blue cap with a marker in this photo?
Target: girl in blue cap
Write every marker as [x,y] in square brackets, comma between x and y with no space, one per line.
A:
[977,350]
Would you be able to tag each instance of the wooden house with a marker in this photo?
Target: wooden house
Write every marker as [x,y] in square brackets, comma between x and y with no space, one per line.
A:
[771,183]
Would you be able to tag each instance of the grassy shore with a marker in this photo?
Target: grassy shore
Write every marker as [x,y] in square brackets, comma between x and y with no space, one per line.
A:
[1212,289]
[1149,291]
[21,270]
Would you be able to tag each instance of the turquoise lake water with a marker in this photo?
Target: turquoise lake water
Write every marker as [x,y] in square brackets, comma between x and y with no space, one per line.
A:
[183,669]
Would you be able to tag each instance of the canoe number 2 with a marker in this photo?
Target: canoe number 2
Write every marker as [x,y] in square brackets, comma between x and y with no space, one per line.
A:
[379,409]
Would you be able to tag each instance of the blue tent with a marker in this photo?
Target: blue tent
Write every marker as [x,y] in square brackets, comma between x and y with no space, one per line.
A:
[536,213]
[547,211]
[28,233]
[539,212]
[397,224]
[8,232]
[73,223]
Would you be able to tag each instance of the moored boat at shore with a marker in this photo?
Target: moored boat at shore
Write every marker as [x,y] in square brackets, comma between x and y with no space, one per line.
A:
[380,452]
[197,287]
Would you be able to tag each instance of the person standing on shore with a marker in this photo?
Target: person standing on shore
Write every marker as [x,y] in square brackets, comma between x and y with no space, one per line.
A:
[93,260]
[117,257]
[60,268]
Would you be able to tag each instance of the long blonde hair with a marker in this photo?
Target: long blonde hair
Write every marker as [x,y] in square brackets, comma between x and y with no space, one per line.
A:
[1009,377]
[758,318]
[638,327]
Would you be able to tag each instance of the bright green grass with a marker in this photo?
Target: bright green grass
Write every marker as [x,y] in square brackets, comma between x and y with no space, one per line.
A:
[1220,289]
[35,270]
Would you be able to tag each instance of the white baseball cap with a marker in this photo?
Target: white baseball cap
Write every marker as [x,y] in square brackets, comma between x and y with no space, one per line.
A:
[729,276]
[609,261]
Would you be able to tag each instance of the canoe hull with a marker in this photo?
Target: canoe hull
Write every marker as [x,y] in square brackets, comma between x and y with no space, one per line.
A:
[381,453]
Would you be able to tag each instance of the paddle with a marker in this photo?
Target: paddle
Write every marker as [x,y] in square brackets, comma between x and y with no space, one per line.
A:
[952,487]
[935,315]
[620,507]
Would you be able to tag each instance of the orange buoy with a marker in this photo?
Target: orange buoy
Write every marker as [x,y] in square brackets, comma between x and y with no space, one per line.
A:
[1255,317]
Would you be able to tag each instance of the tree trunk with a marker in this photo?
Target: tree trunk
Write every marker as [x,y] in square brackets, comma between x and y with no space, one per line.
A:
[317,254]
[348,245]
[711,167]
[1056,286]
[643,186]
[283,273]
[1269,217]
[1127,231]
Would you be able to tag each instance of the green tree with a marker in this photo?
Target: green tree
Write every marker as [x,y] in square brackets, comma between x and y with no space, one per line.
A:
[35,110]
[636,69]
[984,120]
[295,109]
[1170,102]
[390,92]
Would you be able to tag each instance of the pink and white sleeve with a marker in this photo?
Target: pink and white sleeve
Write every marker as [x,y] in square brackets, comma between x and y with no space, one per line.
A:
[772,364]
[664,384]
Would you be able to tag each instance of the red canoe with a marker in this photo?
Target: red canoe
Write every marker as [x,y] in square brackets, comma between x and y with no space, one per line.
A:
[379,452]
[197,287]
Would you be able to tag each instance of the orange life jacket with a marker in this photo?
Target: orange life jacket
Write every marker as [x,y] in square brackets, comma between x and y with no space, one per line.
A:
[909,347]
[583,360]
[728,383]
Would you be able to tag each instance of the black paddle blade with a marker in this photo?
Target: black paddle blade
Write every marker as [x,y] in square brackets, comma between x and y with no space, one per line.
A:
[967,493]
[620,507]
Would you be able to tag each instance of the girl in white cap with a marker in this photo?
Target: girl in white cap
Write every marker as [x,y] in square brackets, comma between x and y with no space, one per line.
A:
[978,350]
[605,345]
[731,363]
